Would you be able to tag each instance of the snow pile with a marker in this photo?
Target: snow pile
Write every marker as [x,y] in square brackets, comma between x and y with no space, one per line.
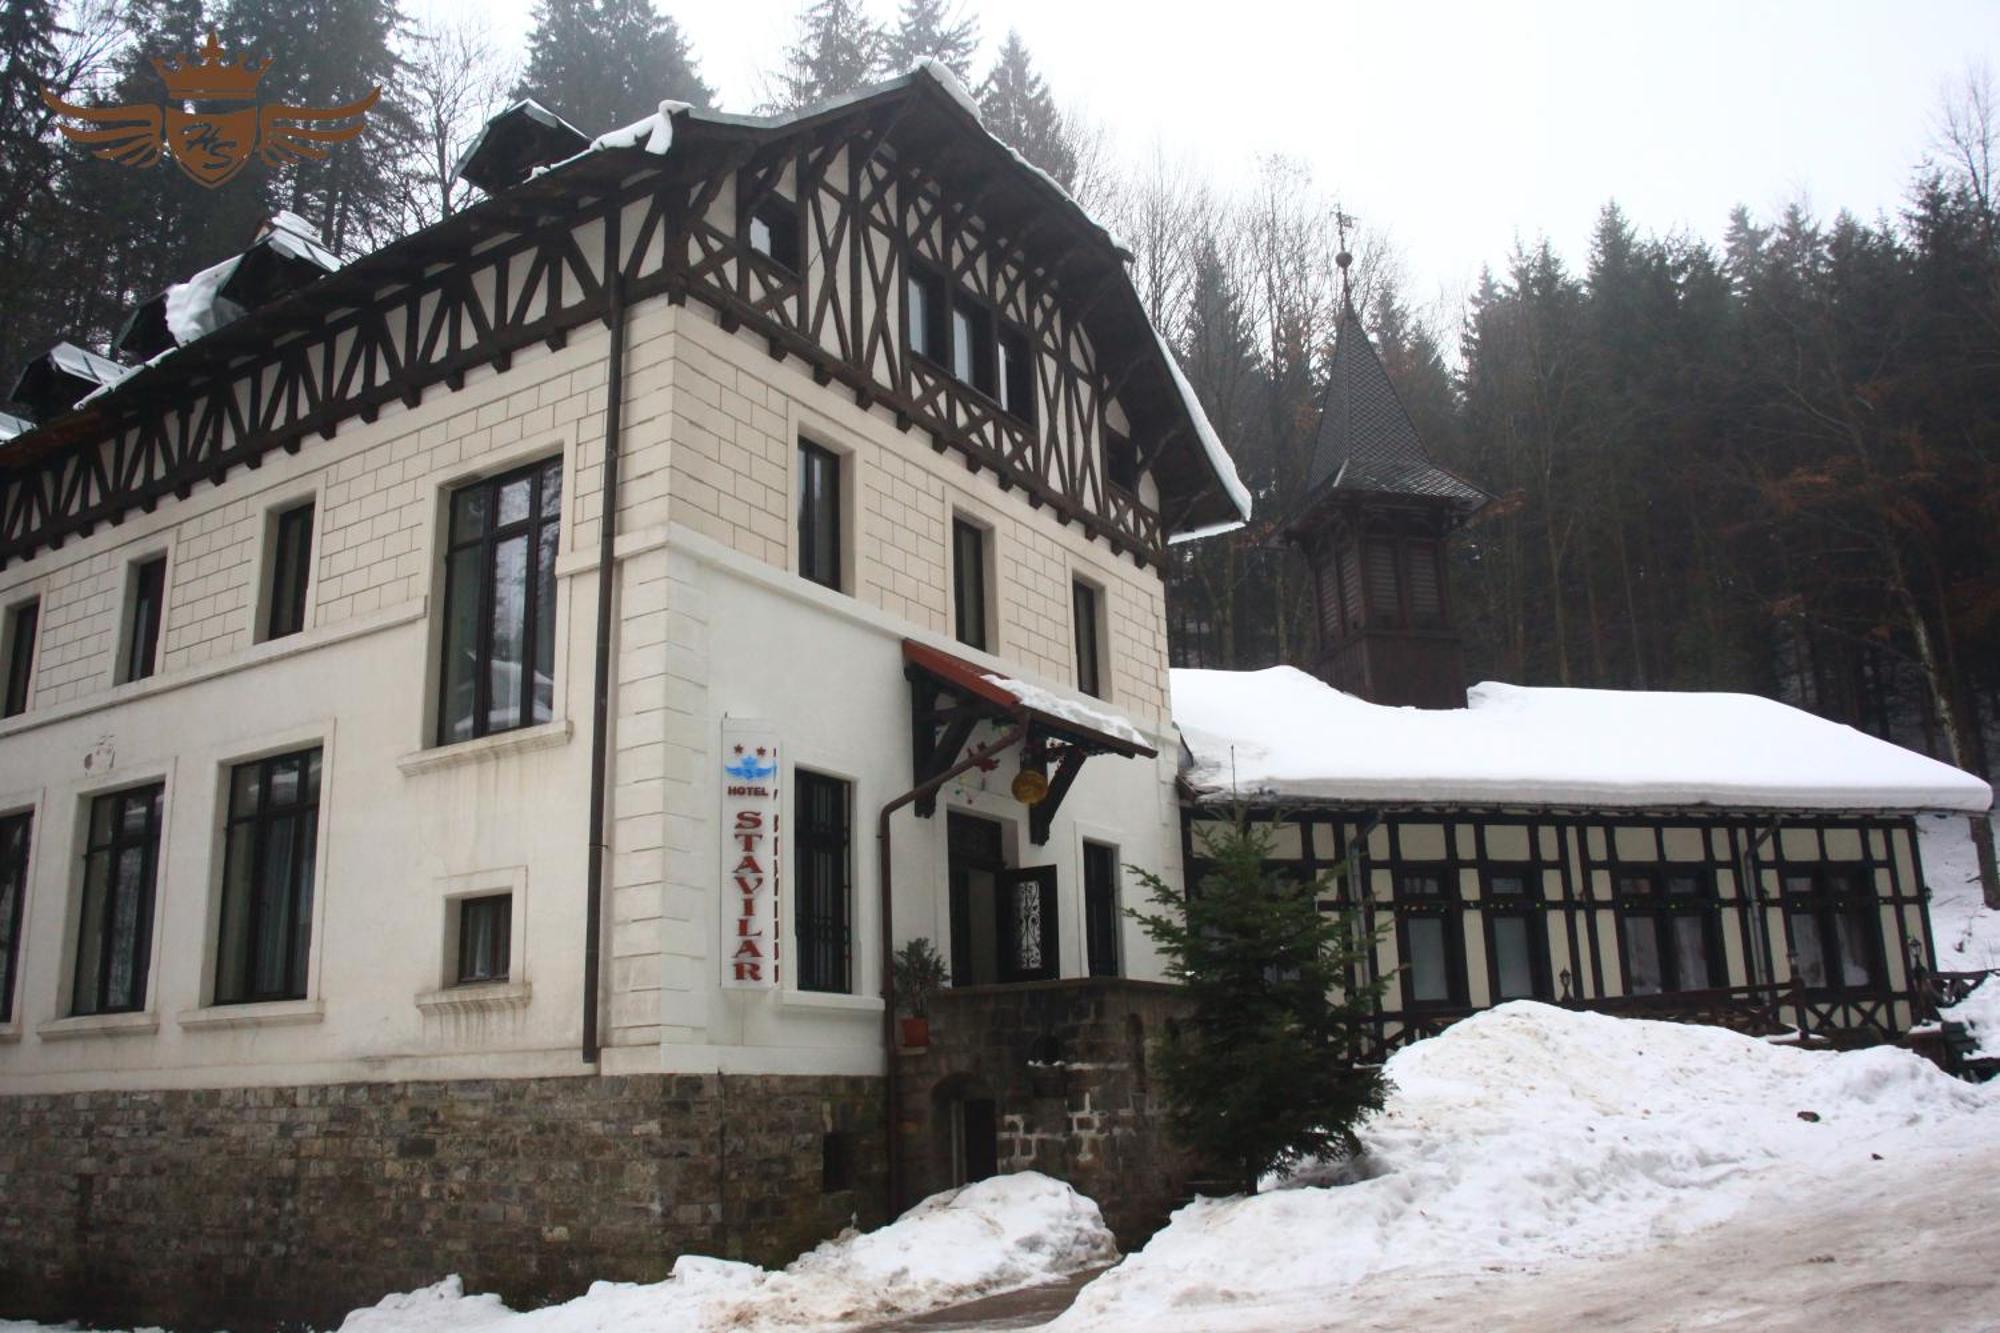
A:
[1071,710]
[1966,930]
[197,308]
[998,1235]
[1281,733]
[1530,1132]
[1980,1012]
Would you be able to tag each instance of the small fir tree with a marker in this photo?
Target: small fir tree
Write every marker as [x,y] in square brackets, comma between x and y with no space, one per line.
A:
[1018,108]
[1261,1076]
[838,50]
[931,30]
[601,64]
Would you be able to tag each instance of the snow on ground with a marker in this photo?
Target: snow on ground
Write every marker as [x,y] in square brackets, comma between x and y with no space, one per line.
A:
[1533,1135]
[1980,1012]
[1966,930]
[1280,732]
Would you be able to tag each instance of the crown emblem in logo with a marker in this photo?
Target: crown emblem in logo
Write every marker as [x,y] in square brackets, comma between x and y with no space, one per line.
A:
[210,73]
[211,146]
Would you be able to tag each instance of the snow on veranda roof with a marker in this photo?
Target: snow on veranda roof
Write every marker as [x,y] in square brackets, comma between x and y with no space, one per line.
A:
[1282,736]
[654,135]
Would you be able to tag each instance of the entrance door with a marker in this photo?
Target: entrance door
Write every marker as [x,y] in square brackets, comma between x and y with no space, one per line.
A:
[975,1140]
[1027,924]
[977,862]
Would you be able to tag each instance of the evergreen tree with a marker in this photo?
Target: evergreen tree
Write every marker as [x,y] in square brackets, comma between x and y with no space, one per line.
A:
[28,163]
[1262,1075]
[604,63]
[1018,108]
[932,30]
[839,49]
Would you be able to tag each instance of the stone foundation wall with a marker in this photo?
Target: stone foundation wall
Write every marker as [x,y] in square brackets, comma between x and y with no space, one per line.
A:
[1065,1065]
[248,1208]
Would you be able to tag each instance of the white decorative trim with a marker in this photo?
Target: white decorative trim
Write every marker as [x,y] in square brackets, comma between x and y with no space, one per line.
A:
[273,1013]
[476,997]
[521,740]
[99,1025]
[832,1001]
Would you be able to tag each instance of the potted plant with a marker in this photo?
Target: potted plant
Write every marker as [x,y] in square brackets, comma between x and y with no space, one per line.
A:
[920,973]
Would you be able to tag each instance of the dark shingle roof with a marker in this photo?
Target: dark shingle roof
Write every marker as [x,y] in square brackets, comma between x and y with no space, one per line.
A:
[1366,442]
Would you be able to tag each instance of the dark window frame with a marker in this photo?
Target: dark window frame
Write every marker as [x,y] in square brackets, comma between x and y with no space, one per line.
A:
[542,521]
[145,610]
[971,624]
[1102,955]
[24,626]
[1448,906]
[927,334]
[934,337]
[1825,905]
[1087,619]
[1660,907]
[1527,907]
[823,913]
[820,506]
[118,841]
[1121,462]
[17,832]
[1016,399]
[235,977]
[498,969]
[779,217]
[290,577]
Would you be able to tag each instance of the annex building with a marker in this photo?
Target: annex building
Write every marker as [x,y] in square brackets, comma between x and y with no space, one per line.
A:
[479,717]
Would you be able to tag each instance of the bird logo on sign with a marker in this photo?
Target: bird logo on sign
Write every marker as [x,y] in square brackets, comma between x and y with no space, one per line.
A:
[211,146]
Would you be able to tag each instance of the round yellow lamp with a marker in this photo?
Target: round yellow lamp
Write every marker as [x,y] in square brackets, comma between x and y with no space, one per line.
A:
[1030,786]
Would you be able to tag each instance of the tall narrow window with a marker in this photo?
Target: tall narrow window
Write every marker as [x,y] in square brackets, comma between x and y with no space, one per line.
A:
[774,231]
[825,906]
[1433,946]
[14,830]
[1100,908]
[1516,940]
[968,582]
[819,514]
[1089,649]
[142,626]
[267,879]
[1835,931]
[1426,590]
[114,938]
[1121,462]
[23,623]
[485,938]
[1672,935]
[500,604]
[972,344]
[291,567]
[1017,374]
[1385,607]
[930,318]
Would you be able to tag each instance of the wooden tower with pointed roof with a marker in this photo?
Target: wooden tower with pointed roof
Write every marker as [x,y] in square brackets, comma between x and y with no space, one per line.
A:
[1373,527]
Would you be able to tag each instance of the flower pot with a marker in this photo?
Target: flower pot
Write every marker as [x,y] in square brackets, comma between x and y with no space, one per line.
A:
[916,1033]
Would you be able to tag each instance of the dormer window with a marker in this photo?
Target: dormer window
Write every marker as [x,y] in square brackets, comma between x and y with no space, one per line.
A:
[774,231]
[930,324]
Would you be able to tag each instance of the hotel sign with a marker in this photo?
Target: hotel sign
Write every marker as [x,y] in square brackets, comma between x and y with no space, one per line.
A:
[752,855]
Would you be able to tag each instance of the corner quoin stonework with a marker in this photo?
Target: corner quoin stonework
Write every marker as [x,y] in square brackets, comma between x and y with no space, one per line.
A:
[250,1207]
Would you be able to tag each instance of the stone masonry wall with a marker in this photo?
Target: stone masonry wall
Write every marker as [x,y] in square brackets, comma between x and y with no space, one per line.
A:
[1064,1063]
[247,1208]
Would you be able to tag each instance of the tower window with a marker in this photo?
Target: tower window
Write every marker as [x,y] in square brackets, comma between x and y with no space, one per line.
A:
[774,231]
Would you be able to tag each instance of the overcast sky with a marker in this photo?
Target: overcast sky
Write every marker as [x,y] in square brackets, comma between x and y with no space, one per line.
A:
[1456,128]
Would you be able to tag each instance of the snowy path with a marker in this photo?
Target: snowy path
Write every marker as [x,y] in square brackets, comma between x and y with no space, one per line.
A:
[1900,1245]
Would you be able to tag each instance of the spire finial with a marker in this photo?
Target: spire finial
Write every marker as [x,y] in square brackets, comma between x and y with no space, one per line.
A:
[1342,220]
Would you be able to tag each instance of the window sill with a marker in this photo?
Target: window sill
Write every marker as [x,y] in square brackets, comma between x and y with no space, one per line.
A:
[521,740]
[269,1013]
[835,1001]
[477,997]
[10,1034]
[99,1025]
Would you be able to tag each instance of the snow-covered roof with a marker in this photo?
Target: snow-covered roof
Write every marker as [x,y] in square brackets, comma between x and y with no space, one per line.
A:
[11,425]
[1282,735]
[85,364]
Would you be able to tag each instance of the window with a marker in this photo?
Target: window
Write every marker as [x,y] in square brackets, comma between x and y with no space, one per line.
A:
[774,231]
[1100,908]
[1516,939]
[1433,947]
[825,905]
[1121,462]
[836,1162]
[972,344]
[1017,374]
[1089,649]
[22,624]
[13,899]
[267,879]
[291,568]
[485,938]
[968,582]
[930,321]
[114,938]
[819,514]
[142,625]
[1836,934]
[1671,932]
[500,604]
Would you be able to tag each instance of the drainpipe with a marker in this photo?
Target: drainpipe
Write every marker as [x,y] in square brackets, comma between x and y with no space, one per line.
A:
[978,756]
[600,694]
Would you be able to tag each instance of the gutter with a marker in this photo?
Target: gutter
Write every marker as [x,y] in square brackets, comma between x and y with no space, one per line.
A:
[600,688]
[893,1193]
